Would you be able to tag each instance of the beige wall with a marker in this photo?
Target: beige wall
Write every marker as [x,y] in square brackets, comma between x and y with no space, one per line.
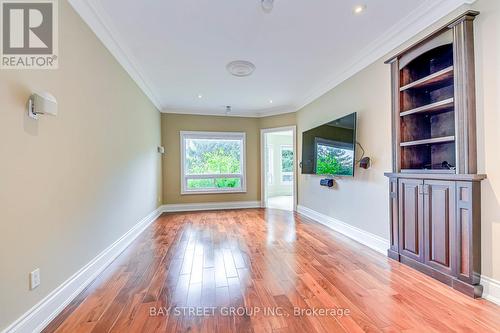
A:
[71,185]
[487,37]
[360,201]
[172,124]
[363,201]
[287,119]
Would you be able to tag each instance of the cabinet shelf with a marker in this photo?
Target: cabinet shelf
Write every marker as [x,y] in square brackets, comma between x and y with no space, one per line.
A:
[443,139]
[434,79]
[433,107]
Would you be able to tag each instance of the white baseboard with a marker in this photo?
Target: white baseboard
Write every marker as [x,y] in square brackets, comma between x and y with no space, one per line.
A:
[375,242]
[48,308]
[210,206]
[491,290]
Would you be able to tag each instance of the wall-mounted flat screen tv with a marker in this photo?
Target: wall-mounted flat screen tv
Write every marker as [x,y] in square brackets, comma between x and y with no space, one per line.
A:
[330,149]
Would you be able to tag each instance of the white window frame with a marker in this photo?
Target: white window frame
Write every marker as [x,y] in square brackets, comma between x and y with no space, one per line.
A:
[213,136]
[285,147]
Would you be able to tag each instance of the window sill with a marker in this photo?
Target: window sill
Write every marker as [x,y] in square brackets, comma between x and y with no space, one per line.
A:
[184,192]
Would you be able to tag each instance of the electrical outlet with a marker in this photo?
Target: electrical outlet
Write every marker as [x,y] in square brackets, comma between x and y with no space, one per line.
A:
[35,279]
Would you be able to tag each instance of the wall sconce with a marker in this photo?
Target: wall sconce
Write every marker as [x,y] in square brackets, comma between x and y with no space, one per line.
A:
[364,162]
[42,103]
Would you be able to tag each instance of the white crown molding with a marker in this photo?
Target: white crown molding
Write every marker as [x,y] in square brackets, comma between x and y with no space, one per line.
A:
[92,13]
[209,113]
[234,113]
[374,242]
[40,315]
[428,13]
[275,112]
[210,206]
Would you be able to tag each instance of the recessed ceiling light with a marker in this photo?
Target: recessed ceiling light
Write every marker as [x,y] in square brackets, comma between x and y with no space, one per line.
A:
[267,5]
[271,101]
[200,96]
[359,9]
[240,68]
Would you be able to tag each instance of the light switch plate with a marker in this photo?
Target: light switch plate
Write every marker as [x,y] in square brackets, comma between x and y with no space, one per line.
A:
[35,279]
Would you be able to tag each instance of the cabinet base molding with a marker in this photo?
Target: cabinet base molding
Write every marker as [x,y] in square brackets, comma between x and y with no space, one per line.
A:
[393,255]
[474,291]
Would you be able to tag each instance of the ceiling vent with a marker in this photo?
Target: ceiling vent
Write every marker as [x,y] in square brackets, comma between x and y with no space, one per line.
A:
[267,5]
[240,68]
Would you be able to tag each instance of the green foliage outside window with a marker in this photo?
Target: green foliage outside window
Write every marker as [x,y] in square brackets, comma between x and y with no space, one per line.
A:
[213,157]
[286,160]
[214,183]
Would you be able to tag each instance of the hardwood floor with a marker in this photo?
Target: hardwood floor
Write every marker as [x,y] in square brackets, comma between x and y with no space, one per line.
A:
[259,261]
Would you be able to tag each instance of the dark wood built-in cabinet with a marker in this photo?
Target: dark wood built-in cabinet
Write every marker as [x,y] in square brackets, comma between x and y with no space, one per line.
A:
[434,186]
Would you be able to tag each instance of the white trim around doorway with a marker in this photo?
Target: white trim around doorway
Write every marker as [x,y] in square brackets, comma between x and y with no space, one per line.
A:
[263,160]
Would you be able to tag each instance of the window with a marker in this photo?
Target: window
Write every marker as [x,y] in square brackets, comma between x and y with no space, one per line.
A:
[286,157]
[212,162]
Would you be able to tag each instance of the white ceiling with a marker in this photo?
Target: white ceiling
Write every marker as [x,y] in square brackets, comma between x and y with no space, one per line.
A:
[177,50]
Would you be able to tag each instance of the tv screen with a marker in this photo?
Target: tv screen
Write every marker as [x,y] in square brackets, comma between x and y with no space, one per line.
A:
[330,148]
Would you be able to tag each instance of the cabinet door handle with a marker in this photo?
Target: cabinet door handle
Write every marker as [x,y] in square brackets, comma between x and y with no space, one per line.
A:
[426,189]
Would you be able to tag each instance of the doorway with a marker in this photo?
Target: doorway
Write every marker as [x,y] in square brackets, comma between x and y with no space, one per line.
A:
[278,168]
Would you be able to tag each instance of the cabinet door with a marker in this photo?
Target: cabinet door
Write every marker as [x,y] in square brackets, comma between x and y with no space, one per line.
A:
[439,235]
[411,219]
